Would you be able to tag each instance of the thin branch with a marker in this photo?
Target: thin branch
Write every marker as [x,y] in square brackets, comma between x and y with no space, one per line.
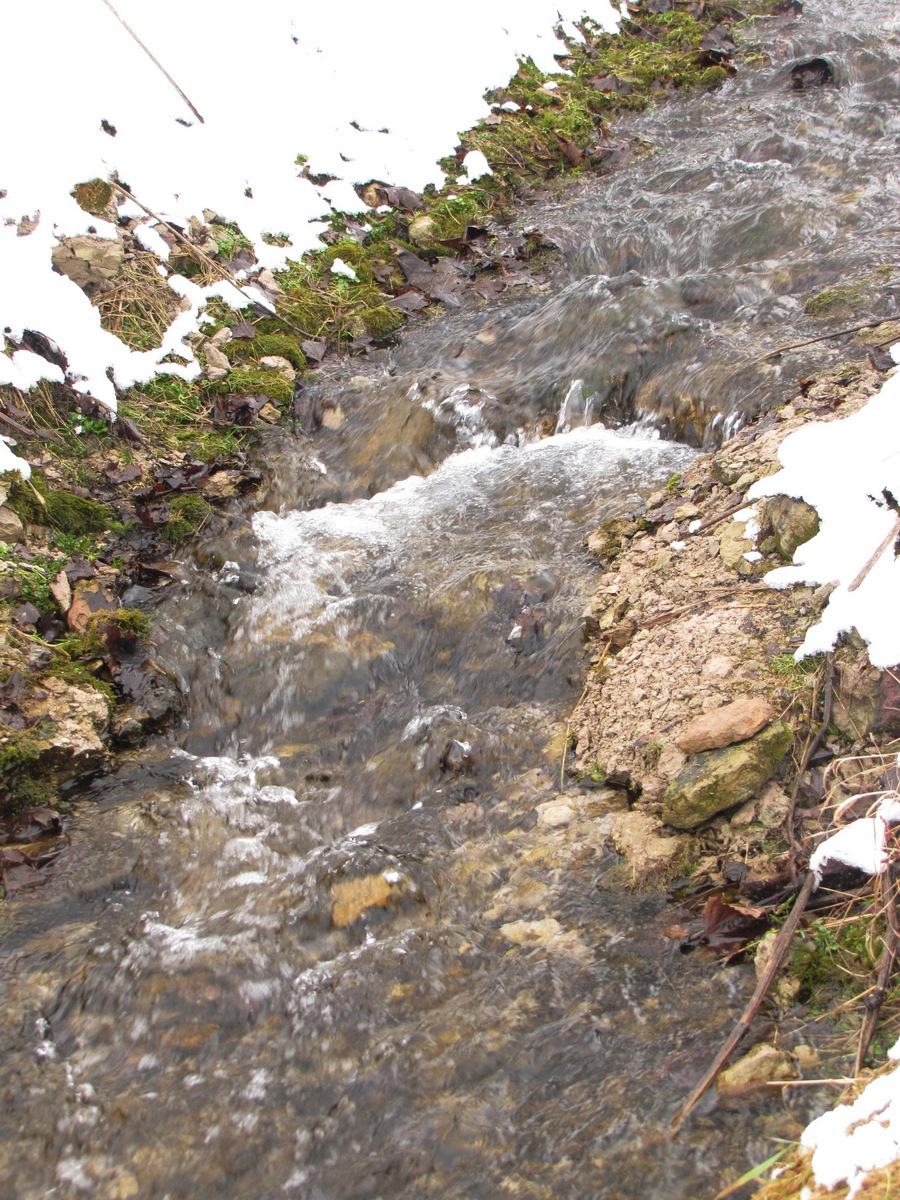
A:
[154,60]
[895,531]
[823,337]
[876,997]
[780,948]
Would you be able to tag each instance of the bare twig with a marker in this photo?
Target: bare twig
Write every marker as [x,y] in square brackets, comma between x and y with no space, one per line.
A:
[895,531]
[823,337]
[875,999]
[808,753]
[154,60]
[780,947]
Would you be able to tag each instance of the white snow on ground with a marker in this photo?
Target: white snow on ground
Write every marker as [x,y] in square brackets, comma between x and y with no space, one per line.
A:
[855,1138]
[362,93]
[842,469]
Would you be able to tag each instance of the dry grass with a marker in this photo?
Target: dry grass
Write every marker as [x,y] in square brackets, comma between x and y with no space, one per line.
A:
[141,306]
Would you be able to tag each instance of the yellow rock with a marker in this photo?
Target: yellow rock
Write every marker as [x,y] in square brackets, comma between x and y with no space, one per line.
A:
[352,897]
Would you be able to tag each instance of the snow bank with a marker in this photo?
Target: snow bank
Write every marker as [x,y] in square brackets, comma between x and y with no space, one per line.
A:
[363,95]
[843,469]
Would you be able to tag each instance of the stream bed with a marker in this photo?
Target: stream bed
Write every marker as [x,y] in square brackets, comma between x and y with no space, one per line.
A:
[329,940]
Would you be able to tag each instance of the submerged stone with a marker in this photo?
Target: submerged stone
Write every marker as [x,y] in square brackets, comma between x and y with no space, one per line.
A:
[717,780]
[761,1065]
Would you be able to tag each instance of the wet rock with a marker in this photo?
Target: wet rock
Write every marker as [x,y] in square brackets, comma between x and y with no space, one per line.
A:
[351,898]
[636,836]
[91,262]
[760,1066]
[716,780]
[793,523]
[554,813]
[11,528]
[547,934]
[607,541]
[724,726]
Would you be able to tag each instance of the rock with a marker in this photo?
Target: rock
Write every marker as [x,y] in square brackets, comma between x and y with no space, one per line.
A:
[548,934]
[793,523]
[866,699]
[636,836]
[717,780]
[761,1065]
[61,591]
[786,988]
[734,544]
[554,813]
[724,726]
[88,597]
[332,418]
[353,897]
[217,364]
[11,528]
[424,232]
[686,512]
[90,262]
[74,719]
[274,362]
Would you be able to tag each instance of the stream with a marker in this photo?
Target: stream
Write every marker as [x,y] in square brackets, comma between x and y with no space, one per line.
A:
[323,941]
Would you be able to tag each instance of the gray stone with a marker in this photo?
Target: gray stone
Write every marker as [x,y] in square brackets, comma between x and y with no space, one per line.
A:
[90,262]
[217,364]
[793,523]
[11,528]
[717,780]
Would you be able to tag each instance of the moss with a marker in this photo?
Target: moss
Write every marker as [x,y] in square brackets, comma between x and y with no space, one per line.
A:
[93,196]
[188,513]
[20,753]
[250,381]
[34,502]
[836,301]
[282,345]
[381,321]
[712,77]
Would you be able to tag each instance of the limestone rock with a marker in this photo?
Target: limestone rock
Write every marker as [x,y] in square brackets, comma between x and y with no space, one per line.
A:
[636,836]
[74,719]
[724,726]
[554,813]
[11,528]
[717,780]
[793,523]
[61,591]
[217,364]
[424,232]
[91,262]
[734,544]
[758,1067]
[274,362]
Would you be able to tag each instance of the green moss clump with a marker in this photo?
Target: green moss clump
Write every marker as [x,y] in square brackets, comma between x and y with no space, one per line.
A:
[381,321]
[279,343]
[62,511]
[247,381]
[20,753]
[712,77]
[93,196]
[75,515]
[835,301]
[187,516]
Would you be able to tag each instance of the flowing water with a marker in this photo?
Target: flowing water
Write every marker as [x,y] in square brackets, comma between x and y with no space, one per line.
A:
[324,943]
